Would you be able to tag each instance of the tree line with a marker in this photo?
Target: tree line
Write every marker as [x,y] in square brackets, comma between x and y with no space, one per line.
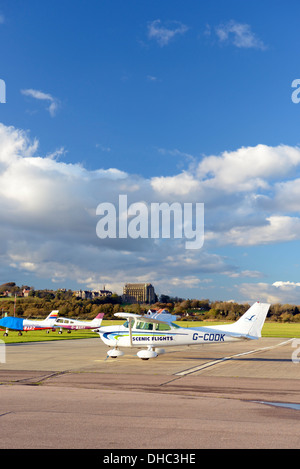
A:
[41,303]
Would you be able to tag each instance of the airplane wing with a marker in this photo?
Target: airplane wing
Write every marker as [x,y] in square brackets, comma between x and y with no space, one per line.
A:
[127,315]
[140,317]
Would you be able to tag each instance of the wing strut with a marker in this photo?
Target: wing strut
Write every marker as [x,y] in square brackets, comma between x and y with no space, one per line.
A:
[130,331]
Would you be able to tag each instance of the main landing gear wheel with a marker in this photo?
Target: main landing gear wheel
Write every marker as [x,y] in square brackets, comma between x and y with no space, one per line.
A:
[115,353]
[146,354]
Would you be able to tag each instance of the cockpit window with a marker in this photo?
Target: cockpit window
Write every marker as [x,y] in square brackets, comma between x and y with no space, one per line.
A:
[63,321]
[149,326]
[163,327]
[146,326]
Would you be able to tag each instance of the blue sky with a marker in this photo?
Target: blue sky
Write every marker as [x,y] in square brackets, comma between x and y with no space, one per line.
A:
[170,101]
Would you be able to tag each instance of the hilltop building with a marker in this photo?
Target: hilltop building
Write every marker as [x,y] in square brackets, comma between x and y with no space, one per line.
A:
[139,293]
[91,295]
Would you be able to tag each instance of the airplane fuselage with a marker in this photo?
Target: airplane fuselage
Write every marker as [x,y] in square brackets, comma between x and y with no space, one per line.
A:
[75,324]
[120,336]
[36,328]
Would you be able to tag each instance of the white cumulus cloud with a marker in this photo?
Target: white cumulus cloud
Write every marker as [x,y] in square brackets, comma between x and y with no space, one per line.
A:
[284,292]
[48,216]
[48,221]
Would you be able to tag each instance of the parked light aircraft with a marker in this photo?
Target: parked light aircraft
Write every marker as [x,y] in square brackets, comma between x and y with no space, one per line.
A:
[146,331]
[74,324]
[19,324]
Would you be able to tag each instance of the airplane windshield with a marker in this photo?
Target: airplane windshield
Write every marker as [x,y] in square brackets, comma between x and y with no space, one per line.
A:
[126,323]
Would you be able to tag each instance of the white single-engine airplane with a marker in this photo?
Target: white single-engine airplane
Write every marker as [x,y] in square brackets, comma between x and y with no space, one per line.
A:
[75,324]
[146,331]
[19,324]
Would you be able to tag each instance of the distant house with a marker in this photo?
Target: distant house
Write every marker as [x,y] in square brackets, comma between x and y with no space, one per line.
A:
[7,293]
[91,295]
[25,292]
[158,311]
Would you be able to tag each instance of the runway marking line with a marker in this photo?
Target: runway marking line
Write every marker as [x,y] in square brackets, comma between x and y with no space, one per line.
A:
[221,360]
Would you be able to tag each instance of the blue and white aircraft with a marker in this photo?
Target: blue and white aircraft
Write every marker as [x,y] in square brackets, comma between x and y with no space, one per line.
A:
[150,333]
[19,324]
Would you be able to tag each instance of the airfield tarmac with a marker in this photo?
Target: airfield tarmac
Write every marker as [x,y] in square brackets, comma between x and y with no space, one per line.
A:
[67,394]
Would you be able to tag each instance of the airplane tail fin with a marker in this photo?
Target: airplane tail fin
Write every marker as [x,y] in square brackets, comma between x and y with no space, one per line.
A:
[52,316]
[97,320]
[251,323]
